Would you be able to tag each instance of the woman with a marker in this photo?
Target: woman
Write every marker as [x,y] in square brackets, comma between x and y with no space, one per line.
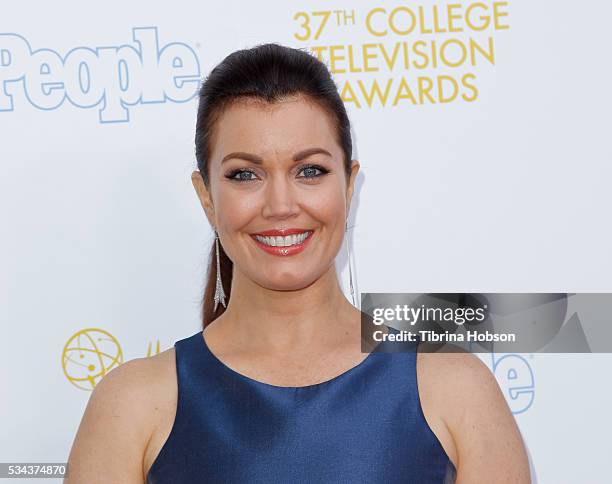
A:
[276,387]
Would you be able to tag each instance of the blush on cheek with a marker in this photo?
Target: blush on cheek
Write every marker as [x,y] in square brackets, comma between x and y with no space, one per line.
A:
[236,210]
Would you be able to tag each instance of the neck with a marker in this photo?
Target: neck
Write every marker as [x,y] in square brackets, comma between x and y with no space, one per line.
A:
[282,320]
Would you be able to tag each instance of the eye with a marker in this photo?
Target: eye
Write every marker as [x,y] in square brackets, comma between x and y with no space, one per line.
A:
[243,175]
[310,171]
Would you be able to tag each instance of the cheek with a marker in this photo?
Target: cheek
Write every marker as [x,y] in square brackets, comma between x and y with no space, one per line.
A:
[234,210]
[327,206]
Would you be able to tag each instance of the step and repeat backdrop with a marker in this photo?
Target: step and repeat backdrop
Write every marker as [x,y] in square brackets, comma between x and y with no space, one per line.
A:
[482,129]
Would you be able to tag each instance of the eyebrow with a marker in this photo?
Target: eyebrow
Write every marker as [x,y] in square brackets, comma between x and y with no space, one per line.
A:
[299,156]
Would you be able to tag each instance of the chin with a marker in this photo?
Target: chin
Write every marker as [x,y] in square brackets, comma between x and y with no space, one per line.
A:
[287,282]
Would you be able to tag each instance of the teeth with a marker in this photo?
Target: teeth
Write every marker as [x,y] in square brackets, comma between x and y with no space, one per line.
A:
[280,241]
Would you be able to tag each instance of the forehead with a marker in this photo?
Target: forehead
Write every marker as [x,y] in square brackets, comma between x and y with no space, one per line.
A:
[279,128]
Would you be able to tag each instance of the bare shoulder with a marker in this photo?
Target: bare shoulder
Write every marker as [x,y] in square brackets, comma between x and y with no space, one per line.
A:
[121,415]
[461,397]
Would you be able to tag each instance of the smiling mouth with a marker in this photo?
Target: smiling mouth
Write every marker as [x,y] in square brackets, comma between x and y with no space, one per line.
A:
[283,241]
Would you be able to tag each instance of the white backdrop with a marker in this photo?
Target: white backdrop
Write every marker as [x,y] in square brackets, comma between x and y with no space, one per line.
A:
[504,188]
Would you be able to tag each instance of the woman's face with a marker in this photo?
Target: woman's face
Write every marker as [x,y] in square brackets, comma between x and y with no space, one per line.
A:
[277,167]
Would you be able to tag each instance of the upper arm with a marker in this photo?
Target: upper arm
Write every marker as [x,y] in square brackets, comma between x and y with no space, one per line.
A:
[488,442]
[114,429]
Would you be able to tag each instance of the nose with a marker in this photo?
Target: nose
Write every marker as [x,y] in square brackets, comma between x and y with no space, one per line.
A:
[279,199]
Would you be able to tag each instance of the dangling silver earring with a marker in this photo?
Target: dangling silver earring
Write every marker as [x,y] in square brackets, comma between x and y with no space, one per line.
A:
[348,251]
[219,293]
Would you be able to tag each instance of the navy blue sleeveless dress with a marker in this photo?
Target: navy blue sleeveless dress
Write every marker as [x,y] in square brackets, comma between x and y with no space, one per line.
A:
[363,426]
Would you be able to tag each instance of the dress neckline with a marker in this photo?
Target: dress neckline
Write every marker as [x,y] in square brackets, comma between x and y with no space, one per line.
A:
[361,365]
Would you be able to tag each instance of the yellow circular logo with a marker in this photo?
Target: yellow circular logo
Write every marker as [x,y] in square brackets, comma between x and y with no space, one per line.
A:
[88,355]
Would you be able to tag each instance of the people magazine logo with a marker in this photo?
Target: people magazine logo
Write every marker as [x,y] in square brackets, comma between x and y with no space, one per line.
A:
[112,78]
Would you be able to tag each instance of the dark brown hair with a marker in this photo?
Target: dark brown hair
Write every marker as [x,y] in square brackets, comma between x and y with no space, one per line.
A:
[268,72]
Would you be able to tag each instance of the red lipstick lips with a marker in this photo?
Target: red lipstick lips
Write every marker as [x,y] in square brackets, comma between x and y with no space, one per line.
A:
[280,250]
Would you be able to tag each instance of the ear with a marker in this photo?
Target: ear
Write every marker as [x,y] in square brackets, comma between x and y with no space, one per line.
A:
[205,197]
[351,184]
